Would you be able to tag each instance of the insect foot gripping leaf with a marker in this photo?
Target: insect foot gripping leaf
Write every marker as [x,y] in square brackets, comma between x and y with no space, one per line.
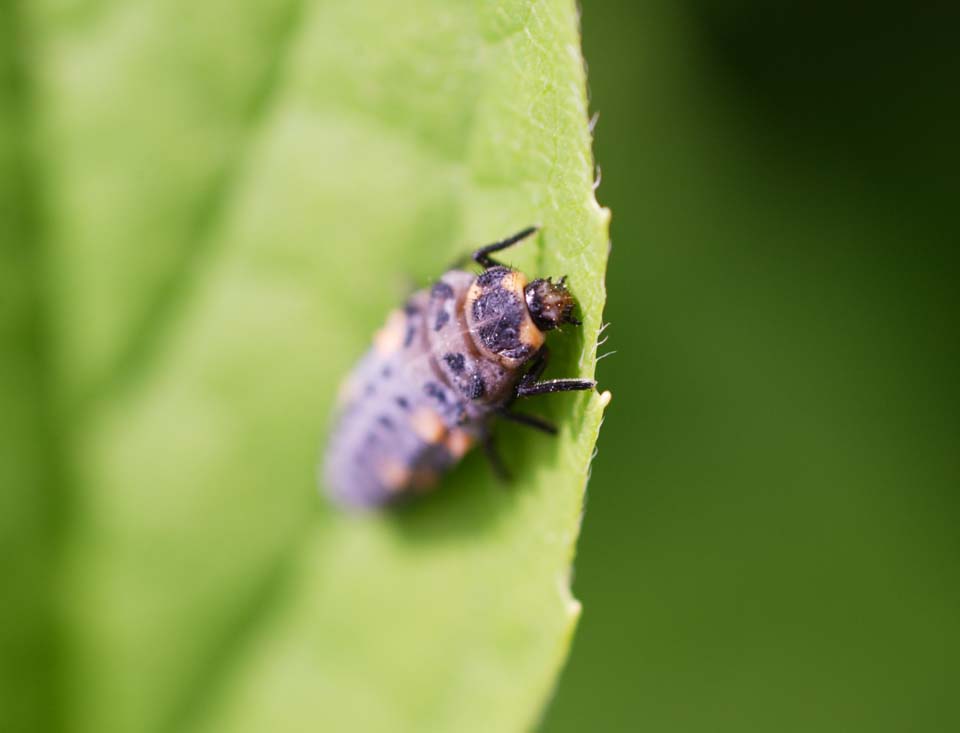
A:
[230,208]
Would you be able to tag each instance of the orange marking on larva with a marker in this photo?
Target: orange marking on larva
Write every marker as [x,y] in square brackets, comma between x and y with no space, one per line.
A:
[393,475]
[424,479]
[459,442]
[428,425]
[514,281]
[529,333]
[473,292]
[389,338]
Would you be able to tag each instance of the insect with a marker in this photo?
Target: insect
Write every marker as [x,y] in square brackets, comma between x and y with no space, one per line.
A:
[443,368]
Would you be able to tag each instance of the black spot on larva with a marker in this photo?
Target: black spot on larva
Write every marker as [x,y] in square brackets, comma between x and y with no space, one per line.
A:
[477,387]
[454,361]
[372,439]
[432,389]
[386,371]
[386,422]
[370,389]
[403,403]
[442,319]
[493,276]
[408,339]
[498,314]
[441,291]
[410,309]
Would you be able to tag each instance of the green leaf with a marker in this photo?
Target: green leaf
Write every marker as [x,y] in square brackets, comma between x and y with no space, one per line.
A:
[230,198]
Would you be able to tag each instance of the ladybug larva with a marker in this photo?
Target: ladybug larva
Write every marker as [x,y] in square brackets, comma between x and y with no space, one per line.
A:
[444,366]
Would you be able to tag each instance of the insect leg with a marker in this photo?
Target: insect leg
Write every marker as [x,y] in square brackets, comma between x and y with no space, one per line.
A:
[538,367]
[550,386]
[482,255]
[531,421]
[493,456]
[530,385]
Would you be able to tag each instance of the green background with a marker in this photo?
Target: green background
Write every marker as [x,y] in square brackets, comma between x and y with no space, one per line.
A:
[771,540]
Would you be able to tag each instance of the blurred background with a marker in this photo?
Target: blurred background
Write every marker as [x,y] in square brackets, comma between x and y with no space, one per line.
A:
[771,535]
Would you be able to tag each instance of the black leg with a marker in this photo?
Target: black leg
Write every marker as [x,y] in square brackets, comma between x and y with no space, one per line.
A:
[493,456]
[531,421]
[481,256]
[537,367]
[554,385]
[530,385]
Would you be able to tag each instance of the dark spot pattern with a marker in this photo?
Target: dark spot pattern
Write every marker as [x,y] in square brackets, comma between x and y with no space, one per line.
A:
[493,276]
[434,390]
[477,387]
[441,291]
[440,370]
[454,361]
[498,314]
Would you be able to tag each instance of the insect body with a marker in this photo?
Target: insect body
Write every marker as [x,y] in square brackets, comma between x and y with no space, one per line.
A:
[442,368]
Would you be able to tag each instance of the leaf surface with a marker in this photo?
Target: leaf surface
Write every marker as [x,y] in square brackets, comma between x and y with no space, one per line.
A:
[232,198]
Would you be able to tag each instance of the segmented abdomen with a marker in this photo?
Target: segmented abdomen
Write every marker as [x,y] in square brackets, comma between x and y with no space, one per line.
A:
[400,425]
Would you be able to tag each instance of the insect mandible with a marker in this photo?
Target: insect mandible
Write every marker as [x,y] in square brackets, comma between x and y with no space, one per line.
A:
[443,368]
